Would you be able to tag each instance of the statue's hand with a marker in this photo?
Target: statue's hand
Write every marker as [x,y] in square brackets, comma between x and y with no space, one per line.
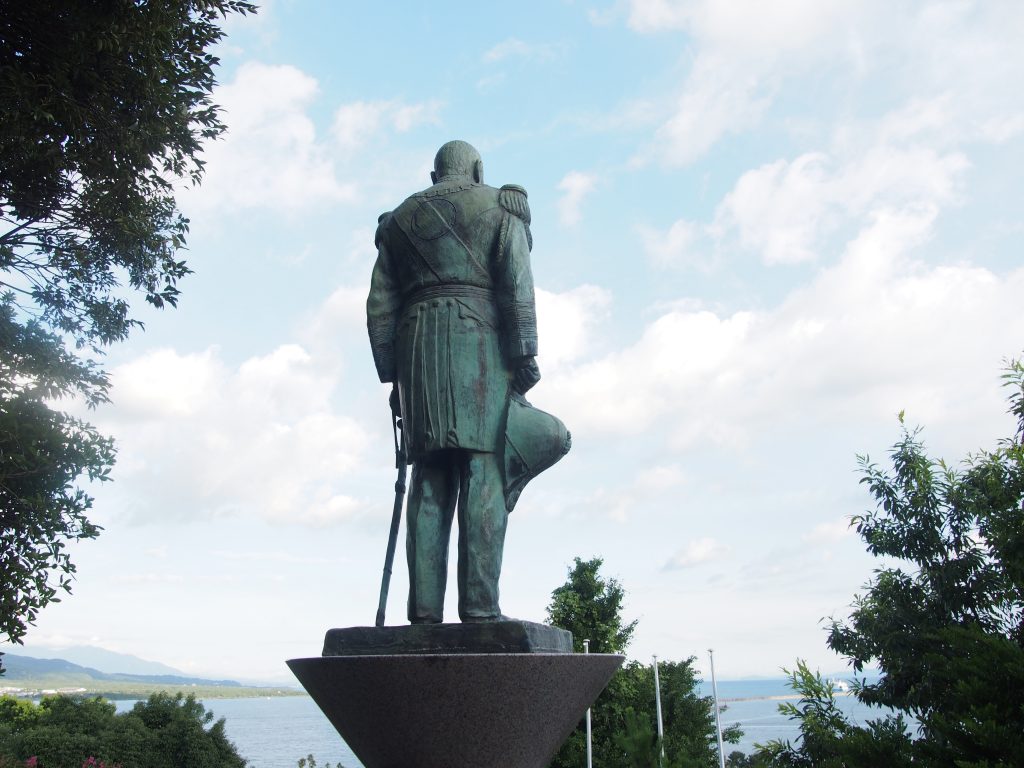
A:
[526,376]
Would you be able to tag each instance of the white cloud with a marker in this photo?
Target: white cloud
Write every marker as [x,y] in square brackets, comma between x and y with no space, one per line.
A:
[566,322]
[626,390]
[513,47]
[997,130]
[148,578]
[164,384]
[635,498]
[742,55]
[660,477]
[341,317]
[779,209]
[576,186]
[199,438]
[409,116]
[273,156]
[785,210]
[357,123]
[488,82]
[744,50]
[270,156]
[263,556]
[657,15]
[830,532]
[697,552]
[673,247]
[721,96]
[54,641]
[743,24]
[855,343]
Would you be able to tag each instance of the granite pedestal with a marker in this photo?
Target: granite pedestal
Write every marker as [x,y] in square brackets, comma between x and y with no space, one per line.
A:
[420,706]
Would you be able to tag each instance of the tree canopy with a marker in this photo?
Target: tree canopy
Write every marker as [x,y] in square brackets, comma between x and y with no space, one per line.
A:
[943,619]
[163,732]
[42,453]
[590,607]
[623,717]
[106,106]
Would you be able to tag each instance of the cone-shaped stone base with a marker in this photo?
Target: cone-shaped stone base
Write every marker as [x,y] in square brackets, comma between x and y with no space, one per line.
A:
[459,711]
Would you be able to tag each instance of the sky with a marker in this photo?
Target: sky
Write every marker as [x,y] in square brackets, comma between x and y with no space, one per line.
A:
[761,230]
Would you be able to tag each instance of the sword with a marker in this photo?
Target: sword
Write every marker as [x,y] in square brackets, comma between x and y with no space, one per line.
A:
[396,516]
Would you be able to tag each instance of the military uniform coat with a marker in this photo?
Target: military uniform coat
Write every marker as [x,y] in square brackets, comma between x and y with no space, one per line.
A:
[451,311]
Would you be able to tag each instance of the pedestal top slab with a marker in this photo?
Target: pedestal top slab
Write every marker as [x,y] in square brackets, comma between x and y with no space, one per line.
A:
[510,636]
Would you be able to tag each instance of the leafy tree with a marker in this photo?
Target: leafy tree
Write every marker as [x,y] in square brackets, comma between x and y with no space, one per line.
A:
[639,742]
[946,625]
[42,452]
[947,633]
[827,738]
[164,732]
[310,762]
[738,759]
[185,733]
[623,717]
[591,608]
[688,718]
[105,106]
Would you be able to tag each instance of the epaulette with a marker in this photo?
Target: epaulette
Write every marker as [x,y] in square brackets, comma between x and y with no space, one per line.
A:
[512,198]
[382,222]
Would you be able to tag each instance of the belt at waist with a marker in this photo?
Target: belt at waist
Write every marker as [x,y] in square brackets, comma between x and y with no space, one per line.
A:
[449,290]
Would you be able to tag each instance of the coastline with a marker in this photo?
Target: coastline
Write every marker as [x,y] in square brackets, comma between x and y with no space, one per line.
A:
[113,690]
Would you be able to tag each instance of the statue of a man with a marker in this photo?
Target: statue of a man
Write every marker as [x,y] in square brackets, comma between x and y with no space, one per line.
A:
[452,325]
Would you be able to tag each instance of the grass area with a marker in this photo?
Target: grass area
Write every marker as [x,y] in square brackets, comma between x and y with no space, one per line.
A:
[73,685]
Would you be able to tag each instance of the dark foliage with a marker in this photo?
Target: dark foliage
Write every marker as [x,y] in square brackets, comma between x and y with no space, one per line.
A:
[164,732]
[623,717]
[947,632]
[106,104]
[42,453]
[827,738]
[943,619]
[591,608]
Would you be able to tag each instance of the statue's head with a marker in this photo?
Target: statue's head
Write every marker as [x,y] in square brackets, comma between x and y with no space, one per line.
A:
[457,158]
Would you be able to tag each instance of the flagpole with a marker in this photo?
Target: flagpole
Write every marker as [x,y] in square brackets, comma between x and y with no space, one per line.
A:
[718,719]
[657,709]
[590,752]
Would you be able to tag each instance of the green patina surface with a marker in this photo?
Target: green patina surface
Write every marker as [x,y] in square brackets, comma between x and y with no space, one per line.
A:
[452,325]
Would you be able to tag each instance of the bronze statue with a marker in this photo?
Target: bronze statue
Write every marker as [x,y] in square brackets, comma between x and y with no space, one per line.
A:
[452,325]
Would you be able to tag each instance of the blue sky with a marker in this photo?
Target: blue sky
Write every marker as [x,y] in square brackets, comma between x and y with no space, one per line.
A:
[761,230]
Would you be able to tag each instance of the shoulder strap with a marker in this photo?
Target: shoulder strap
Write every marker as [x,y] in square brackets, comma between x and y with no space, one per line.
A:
[513,199]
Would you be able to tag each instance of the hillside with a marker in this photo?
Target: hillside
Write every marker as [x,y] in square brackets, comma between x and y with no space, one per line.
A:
[95,658]
[28,676]
[29,668]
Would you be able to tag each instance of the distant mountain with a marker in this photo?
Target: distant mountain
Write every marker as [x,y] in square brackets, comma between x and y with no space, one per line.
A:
[29,668]
[95,658]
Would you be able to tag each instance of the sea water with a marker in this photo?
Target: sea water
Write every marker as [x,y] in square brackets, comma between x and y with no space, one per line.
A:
[753,705]
[275,732]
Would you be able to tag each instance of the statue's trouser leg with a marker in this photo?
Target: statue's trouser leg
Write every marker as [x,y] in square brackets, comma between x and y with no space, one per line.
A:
[482,520]
[429,513]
